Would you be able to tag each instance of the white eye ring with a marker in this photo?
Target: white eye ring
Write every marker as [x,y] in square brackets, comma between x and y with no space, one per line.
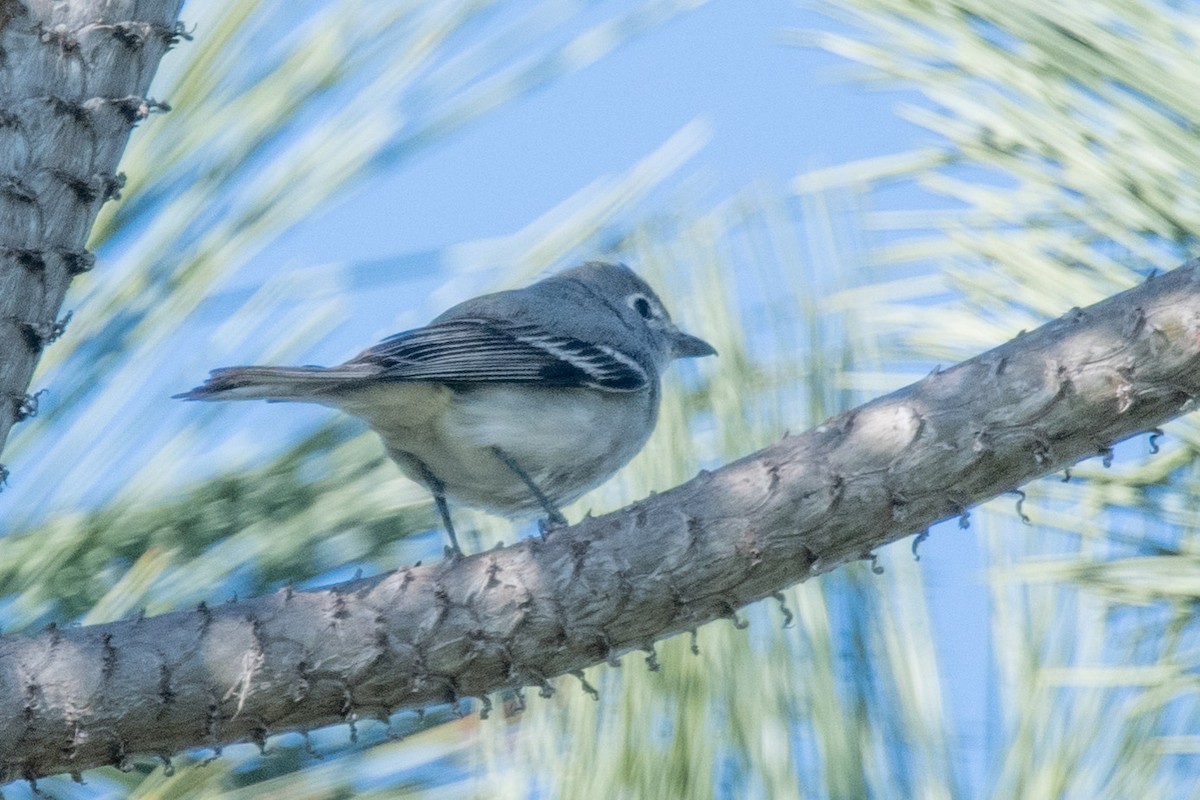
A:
[642,305]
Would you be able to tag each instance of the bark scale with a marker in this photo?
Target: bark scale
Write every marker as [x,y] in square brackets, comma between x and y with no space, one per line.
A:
[72,699]
[73,78]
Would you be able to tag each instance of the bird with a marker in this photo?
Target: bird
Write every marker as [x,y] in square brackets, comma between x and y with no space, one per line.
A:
[513,401]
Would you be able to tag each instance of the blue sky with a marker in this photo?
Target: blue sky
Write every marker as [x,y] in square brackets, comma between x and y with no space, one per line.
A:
[775,111]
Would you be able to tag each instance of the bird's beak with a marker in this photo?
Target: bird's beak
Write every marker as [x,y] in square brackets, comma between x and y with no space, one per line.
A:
[684,345]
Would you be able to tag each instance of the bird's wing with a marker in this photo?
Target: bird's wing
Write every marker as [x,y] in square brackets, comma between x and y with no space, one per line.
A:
[475,350]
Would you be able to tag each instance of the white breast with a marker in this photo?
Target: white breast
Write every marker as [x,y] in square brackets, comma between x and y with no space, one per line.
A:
[567,440]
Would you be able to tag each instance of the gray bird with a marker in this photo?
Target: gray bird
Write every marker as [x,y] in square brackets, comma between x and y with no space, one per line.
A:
[511,401]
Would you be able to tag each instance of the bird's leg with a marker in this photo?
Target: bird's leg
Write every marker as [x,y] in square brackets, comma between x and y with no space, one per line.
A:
[555,518]
[439,499]
[438,489]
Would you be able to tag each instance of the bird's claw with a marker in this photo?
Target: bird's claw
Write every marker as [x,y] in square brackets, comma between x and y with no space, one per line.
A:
[550,524]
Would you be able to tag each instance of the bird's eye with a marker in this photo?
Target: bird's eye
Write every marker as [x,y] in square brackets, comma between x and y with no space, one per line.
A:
[642,306]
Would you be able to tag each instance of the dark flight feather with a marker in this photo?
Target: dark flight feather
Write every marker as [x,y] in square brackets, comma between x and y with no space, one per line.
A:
[471,350]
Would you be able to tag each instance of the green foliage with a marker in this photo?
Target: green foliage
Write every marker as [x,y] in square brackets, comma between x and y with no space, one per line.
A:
[1067,137]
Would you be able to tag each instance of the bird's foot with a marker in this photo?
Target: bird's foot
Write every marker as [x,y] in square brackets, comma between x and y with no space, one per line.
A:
[551,523]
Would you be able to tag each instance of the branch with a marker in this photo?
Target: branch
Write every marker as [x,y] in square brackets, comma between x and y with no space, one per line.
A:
[72,699]
[72,81]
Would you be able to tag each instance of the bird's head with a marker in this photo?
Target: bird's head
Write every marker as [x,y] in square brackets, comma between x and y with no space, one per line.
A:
[640,308]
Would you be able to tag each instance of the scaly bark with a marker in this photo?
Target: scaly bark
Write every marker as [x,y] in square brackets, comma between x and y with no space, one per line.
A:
[73,78]
[71,699]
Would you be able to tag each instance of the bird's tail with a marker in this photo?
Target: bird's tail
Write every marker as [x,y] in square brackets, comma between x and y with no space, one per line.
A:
[277,383]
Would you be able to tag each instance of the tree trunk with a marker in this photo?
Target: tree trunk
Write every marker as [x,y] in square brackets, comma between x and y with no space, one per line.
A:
[73,78]
[71,699]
